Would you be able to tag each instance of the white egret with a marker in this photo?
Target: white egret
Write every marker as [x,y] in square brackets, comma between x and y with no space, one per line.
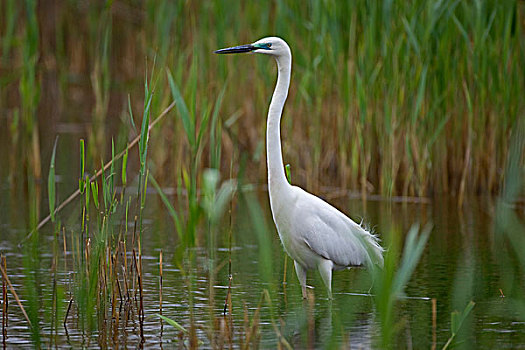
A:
[313,233]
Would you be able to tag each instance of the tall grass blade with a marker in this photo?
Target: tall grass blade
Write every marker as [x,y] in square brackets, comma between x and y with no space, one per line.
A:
[173,323]
[184,113]
[51,181]
[171,210]
[456,321]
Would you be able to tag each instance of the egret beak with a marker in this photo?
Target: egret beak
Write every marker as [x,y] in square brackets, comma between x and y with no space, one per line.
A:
[237,49]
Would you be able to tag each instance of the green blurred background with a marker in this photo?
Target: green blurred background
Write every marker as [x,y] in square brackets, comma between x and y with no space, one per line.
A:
[411,98]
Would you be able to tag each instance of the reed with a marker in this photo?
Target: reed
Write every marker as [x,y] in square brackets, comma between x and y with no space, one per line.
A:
[29,89]
[390,281]
[456,322]
[510,225]
[5,284]
[5,302]
[10,14]
[415,99]
[160,282]
[100,30]
[105,282]
[407,99]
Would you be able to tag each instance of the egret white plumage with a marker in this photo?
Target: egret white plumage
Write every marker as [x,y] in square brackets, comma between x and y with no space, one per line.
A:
[313,233]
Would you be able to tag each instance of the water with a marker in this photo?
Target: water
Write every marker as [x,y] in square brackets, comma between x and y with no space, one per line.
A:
[459,264]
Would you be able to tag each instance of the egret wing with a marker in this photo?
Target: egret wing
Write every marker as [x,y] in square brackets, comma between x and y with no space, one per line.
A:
[334,236]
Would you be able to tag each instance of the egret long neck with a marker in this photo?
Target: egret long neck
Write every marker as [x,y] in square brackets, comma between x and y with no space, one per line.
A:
[276,176]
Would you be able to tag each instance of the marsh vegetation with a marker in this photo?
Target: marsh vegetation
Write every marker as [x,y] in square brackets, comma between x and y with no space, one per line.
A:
[406,114]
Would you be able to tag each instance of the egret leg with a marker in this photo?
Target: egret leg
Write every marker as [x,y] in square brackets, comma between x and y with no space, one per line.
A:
[325,270]
[301,275]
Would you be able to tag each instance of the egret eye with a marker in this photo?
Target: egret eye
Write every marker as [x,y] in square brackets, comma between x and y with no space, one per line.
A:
[264,46]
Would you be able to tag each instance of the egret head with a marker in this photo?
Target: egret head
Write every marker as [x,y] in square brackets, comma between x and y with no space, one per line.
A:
[272,46]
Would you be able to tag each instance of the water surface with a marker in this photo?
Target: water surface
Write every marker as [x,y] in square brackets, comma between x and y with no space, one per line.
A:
[459,264]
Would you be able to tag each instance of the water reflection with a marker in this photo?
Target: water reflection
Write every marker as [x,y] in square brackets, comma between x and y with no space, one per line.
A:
[457,266]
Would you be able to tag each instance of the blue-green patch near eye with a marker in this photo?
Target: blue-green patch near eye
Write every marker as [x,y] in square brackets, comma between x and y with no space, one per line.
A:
[264,46]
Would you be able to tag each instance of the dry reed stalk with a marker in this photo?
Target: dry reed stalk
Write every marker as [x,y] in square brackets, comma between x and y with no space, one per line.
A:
[114,279]
[125,286]
[227,302]
[434,323]
[115,327]
[102,296]
[134,271]
[278,333]
[13,292]
[107,269]
[311,321]
[54,325]
[103,276]
[120,294]
[98,173]
[466,160]
[98,298]
[126,317]
[125,269]
[65,246]
[251,330]
[226,325]
[109,260]
[160,286]
[194,342]
[222,333]
[134,263]
[133,237]
[246,324]
[67,312]
[115,314]
[4,304]
[284,277]
[230,314]
[87,244]
[141,309]
[282,340]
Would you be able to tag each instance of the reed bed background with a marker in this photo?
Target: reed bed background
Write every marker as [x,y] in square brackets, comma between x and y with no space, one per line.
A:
[410,99]
[415,99]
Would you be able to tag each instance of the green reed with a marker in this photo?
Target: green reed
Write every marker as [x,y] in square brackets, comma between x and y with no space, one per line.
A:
[196,126]
[407,99]
[456,321]
[96,247]
[29,89]
[411,99]
[390,281]
[510,225]
[54,309]
[10,15]
[32,292]
[100,29]
[143,152]
[394,82]
[51,183]
[104,278]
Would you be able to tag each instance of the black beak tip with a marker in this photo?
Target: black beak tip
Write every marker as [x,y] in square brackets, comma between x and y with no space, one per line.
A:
[236,49]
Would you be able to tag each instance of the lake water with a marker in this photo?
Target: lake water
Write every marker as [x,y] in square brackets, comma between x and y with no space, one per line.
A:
[459,264]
